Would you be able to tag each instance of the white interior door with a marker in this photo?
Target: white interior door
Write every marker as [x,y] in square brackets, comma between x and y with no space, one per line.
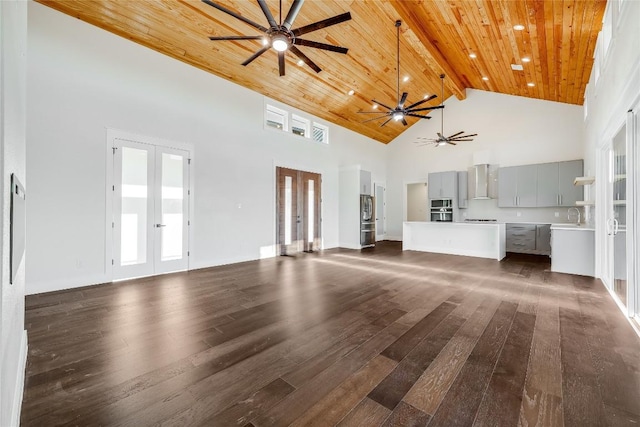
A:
[150,209]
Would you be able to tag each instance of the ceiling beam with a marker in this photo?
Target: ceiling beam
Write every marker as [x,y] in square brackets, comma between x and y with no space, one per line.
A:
[405,9]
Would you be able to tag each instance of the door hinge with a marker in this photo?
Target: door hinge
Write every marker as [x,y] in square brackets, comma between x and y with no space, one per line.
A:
[112,262]
[188,192]
[114,150]
[188,222]
[188,254]
[113,188]
[188,161]
[113,225]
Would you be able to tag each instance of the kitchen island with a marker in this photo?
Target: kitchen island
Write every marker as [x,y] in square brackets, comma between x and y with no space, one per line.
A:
[484,240]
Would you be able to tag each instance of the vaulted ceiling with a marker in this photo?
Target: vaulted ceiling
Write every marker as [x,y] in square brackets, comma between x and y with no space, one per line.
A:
[437,36]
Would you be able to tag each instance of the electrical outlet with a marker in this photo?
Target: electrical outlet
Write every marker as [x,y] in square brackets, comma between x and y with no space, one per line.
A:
[557,214]
[518,213]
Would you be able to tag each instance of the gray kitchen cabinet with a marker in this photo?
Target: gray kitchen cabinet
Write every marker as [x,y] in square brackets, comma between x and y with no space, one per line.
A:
[555,183]
[517,186]
[528,238]
[543,238]
[365,182]
[443,185]
[567,173]
[463,193]
[548,185]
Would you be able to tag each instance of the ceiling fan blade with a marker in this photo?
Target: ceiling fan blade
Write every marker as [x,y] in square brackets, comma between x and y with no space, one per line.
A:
[404,122]
[318,45]
[370,120]
[293,12]
[459,140]
[321,24]
[281,63]
[440,135]
[387,121]
[235,15]
[422,101]
[437,107]
[451,143]
[403,99]
[463,136]
[255,55]
[455,134]
[267,13]
[236,38]
[306,60]
[418,115]
[372,112]
[382,105]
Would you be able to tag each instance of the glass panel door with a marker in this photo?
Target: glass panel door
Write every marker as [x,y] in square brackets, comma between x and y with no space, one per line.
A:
[150,209]
[618,223]
[171,210]
[133,210]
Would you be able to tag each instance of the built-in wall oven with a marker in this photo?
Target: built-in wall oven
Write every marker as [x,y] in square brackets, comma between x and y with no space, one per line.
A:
[442,210]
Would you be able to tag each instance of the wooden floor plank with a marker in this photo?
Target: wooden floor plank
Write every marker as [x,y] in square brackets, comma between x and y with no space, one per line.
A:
[306,339]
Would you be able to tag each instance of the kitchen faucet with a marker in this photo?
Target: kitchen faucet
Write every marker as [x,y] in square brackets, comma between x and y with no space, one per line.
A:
[569,214]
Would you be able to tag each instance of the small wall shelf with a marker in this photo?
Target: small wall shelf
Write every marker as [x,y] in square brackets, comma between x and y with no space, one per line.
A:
[584,180]
[585,203]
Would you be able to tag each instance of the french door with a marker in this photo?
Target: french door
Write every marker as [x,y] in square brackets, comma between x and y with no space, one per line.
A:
[150,209]
[298,209]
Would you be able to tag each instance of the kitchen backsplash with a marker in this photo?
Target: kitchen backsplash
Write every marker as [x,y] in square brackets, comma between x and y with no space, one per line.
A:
[488,209]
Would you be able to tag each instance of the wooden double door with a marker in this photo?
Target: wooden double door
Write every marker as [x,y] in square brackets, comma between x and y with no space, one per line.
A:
[298,211]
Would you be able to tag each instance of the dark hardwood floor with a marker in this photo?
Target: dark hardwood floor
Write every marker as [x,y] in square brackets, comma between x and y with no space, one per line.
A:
[340,337]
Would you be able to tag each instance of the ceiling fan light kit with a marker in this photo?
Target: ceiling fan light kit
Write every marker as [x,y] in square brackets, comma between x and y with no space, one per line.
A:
[399,113]
[280,36]
[442,140]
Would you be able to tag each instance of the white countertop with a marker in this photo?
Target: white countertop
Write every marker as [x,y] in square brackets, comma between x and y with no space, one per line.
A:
[432,223]
[572,227]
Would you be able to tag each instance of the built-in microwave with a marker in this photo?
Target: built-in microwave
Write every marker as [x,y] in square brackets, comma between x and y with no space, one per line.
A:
[441,210]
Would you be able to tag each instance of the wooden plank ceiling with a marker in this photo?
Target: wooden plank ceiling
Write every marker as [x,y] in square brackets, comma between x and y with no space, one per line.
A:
[437,37]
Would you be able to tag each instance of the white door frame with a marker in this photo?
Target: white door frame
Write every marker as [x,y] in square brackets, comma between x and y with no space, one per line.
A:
[113,134]
[381,236]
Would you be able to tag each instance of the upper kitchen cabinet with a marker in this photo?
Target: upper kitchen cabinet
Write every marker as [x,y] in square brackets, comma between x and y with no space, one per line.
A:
[443,185]
[555,183]
[517,186]
[463,193]
[365,182]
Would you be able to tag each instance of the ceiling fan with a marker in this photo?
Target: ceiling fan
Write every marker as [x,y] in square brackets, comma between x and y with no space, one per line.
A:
[441,139]
[400,112]
[280,36]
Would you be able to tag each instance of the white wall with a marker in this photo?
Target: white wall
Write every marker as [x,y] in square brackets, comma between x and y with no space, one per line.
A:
[513,130]
[13,40]
[82,80]
[608,100]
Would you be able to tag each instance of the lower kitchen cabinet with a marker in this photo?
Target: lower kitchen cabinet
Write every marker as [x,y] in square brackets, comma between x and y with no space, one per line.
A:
[573,250]
[529,238]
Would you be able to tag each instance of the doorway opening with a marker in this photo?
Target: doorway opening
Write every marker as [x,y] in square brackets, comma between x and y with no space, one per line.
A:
[150,208]
[298,211]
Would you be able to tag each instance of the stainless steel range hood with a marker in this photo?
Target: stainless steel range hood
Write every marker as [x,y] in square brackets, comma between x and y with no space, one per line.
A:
[482,182]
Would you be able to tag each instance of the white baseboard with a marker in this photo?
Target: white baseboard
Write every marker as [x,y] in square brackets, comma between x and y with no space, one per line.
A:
[33,288]
[19,388]
[395,238]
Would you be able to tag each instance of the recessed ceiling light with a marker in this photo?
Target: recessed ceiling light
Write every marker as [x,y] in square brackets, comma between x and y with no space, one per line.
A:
[473,55]
[486,79]
[300,63]
[517,67]
[426,96]
[526,59]
[405,79]
[375,106]
[531,84]
[351,92]
[518,27]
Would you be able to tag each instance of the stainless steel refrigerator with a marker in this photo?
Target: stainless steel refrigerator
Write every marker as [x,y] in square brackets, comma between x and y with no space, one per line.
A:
[367,221]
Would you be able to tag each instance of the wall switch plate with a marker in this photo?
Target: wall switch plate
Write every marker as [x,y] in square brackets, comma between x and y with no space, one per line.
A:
[557,214]
[518,213]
